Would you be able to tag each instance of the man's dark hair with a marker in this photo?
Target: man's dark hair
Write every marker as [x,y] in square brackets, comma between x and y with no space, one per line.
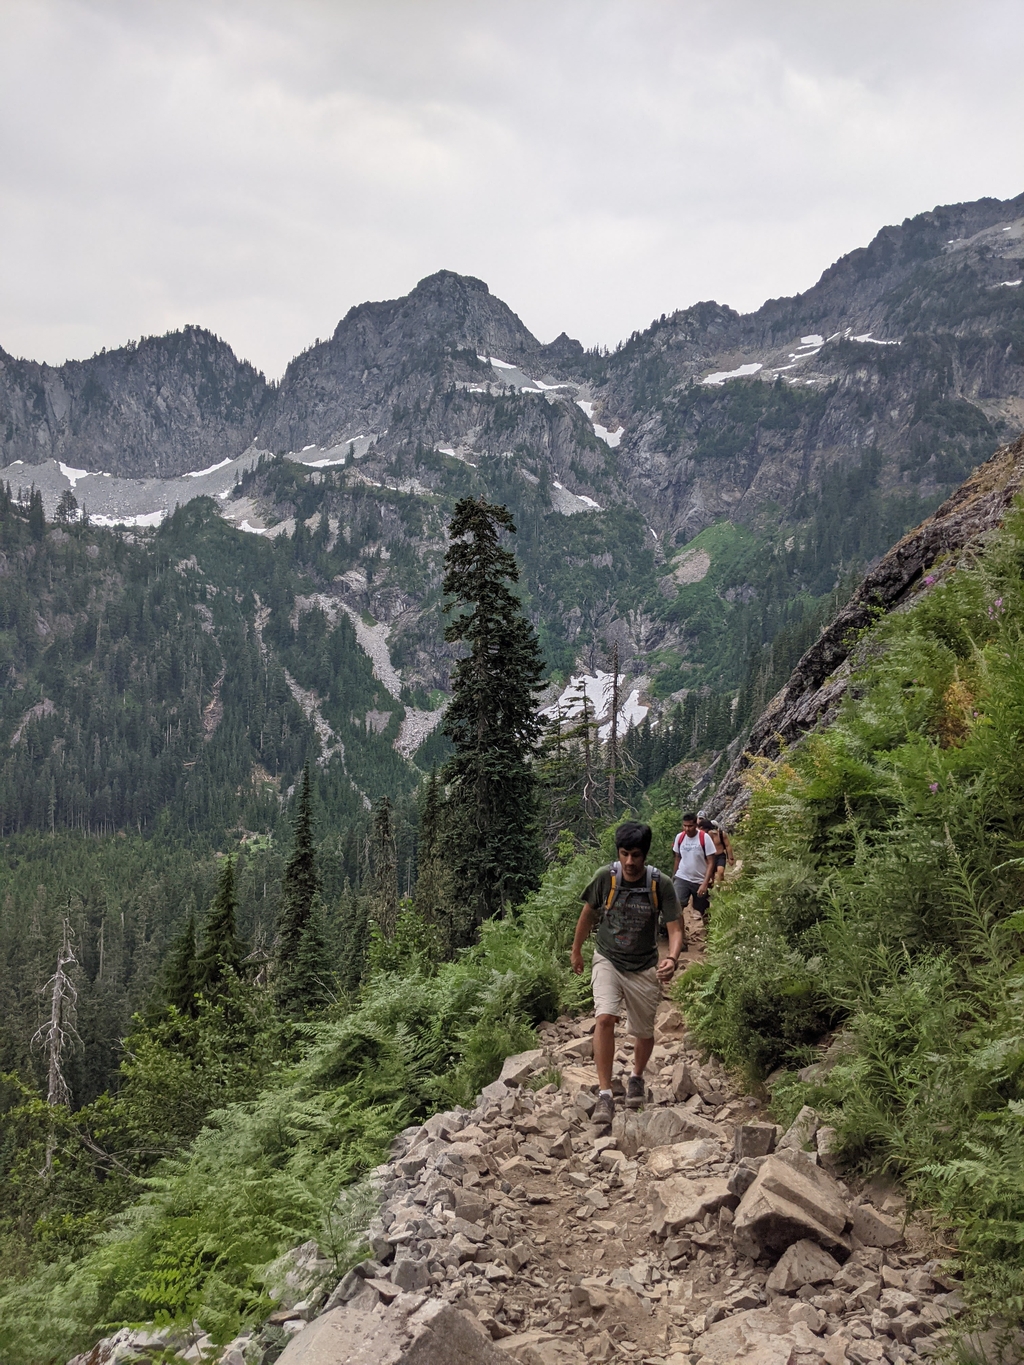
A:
[631,834]
[690,815]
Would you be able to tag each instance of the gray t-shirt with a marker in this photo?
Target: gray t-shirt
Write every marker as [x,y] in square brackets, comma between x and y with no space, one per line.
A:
[627,933]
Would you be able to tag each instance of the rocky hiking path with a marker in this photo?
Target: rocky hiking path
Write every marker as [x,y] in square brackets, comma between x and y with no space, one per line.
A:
[520,1233]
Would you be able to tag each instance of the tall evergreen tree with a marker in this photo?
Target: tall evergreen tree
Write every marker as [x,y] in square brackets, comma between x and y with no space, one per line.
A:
[432,896]
[296,983]
[385,869]
[223,951]
[181,978]
[36,515]
[492,719]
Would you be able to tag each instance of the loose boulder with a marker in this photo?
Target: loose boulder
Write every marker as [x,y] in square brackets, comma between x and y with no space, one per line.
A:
[522,1066]
[788,1202]
[805,1262]
[434,1334]
[678,1201]
[754,1139]
[800,1133]
[874,1229]
[659,1128]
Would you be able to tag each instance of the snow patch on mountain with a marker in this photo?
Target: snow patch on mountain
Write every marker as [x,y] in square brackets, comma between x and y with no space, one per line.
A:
[720,376]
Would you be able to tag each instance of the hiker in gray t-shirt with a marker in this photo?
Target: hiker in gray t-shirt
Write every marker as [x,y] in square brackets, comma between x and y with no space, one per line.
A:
[624,901]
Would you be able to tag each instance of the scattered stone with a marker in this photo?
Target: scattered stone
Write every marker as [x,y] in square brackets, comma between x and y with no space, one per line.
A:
[407,1274]
[681,1082]
[679,1155]
[876,1229]
[659,1128]
[801,1131]
[805,1262]
[435,1334]
[679,1201]
[518,1069]
[754,1139]
[296,1274]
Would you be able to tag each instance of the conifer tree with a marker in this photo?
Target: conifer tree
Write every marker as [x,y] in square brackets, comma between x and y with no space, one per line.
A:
[296,983]
[432,895]
[36,515]
[385,869]
[492,720]
[223,951]
[181,978]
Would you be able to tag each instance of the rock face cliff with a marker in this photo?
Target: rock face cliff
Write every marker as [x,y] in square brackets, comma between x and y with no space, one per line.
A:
[811,697]
[909,351]
[803,439]
[152,409]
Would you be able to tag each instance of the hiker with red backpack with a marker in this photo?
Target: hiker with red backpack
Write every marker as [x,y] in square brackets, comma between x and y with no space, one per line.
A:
[624,901]
[694,868]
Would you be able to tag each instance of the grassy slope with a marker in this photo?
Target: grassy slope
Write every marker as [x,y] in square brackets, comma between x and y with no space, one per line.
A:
[881,897]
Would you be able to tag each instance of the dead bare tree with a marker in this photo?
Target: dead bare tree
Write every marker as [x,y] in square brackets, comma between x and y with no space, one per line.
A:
[613,740]
[58,1035]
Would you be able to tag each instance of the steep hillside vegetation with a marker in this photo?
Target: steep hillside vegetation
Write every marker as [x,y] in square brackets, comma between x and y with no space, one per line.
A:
[879,913]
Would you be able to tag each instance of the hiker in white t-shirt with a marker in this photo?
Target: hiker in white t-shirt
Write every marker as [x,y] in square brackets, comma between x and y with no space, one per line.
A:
[694,868]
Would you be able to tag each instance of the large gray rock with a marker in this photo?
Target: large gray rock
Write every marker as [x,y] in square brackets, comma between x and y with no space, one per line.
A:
[800,1133]
[754,1139]
[758,1336]
[790,1201]
[805,1262]
[133,1344]
[523,1065]
[876,1229]
[659,1128]
[434,1333]
[410,1273]
[677,1201]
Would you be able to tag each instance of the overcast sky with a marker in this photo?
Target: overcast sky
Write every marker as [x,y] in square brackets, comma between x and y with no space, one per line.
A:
[259,166]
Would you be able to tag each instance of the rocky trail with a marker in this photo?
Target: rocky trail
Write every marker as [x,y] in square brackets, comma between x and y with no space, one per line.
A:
[692,1231]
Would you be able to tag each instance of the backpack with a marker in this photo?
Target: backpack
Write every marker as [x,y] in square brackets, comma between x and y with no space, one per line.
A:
[651,886]
[702,834]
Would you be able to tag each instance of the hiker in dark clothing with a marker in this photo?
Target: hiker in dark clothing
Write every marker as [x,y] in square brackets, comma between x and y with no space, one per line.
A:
[623,902]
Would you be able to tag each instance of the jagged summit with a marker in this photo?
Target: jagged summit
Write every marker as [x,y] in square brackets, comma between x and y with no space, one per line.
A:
[156,407]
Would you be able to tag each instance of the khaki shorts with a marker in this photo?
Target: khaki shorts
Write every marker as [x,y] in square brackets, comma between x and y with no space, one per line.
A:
[635,994]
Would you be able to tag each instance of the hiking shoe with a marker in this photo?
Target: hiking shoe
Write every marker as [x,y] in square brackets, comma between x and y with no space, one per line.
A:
[604,1111]
[635,1092]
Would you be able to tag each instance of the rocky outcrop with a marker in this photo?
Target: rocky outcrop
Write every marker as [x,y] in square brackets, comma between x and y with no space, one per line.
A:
[157,408]
[818,684]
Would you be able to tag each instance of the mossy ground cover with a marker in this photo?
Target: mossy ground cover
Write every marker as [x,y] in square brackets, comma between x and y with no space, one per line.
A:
[881,904]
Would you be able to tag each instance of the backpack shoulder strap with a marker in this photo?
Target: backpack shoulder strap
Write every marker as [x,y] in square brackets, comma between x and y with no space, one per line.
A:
[652,885]
[614,870]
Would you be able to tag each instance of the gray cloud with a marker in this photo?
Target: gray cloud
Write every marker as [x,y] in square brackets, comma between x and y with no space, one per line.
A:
[260,167]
